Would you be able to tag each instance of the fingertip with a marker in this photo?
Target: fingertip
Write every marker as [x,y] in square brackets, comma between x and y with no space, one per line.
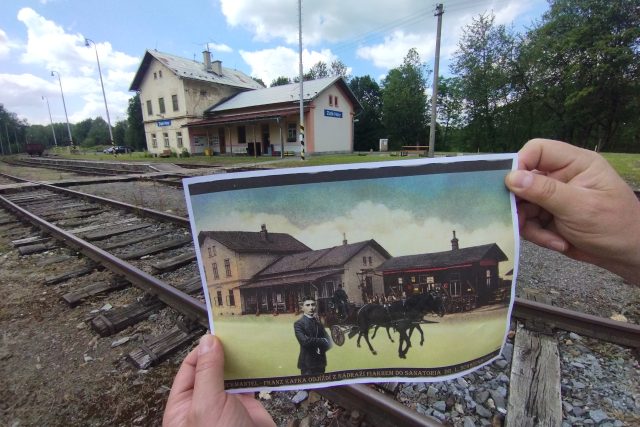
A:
[519,180]
[207,344]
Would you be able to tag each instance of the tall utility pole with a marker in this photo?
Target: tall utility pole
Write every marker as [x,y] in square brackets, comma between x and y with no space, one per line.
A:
[301,79]
[64,105]
[104,96]
[55,141]
[434,93]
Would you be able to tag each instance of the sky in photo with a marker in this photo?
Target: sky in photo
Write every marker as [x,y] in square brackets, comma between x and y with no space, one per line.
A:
[258,37]
[406,215]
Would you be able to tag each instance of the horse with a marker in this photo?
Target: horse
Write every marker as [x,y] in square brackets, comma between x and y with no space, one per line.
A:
[404,316]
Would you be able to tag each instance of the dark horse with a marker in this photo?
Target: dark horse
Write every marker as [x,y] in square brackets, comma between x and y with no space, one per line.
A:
[404,316]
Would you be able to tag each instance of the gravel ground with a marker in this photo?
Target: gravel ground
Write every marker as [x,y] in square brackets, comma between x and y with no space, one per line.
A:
[53,383]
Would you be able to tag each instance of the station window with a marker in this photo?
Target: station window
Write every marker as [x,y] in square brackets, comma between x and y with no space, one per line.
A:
[161,105]
[291,132]
[335,101]
[488,275]
[179,139]
[370,261]
[214,267]
[242,135]
[231,298]
[219,298]
[227,267]
[155,76]
[399,280]
[165,136]
[364,260]
[154,140]
[331,100]
[174,101]
[160,73]
[149,108]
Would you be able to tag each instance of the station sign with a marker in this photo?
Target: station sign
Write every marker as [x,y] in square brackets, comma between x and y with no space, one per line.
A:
[162,123]
[333,113]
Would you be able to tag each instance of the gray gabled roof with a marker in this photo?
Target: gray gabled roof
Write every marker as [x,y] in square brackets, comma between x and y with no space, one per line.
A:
[444,259]
[322,259]
[256,242]
[191,69]
[283,94]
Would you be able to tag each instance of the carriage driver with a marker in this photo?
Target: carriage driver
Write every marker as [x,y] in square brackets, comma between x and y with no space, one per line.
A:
[313,339]
[341,300]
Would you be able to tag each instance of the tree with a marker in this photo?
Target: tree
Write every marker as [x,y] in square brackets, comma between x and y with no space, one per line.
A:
[318,71]
[259,80]
[98,134]
[281,81]
[119,131]
[368,128]
[134,133]
[80,131]
[404,102]
[484,63]
[449,108]
[12,131]
[339,69]
[581,73]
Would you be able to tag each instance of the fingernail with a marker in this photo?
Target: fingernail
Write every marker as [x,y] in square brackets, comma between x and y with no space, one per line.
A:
[206,344]
[521,179]
[558,245]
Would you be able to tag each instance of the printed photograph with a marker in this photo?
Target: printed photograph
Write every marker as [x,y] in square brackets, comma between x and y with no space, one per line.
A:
[357,273]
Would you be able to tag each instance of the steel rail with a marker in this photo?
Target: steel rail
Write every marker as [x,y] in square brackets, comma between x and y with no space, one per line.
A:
[626,334]
[380,409]
[171,296]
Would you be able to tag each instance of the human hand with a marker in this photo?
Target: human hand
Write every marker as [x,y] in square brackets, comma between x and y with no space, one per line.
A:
[572,201]
[198,398]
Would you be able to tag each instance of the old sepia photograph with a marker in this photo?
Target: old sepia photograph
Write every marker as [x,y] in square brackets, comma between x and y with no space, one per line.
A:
[357,273]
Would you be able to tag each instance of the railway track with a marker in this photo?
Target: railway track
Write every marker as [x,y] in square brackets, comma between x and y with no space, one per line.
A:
[103,245]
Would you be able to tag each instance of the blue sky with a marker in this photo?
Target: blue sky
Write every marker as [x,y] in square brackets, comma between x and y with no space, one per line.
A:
[258,37]
[429,208]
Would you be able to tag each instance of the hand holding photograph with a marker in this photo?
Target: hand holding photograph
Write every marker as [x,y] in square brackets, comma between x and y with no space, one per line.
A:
[393,271]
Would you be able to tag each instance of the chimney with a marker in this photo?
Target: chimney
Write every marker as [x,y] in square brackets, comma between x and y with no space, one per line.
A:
[216,67]
[454,242]
[206,56]
[264,232]
[344,239]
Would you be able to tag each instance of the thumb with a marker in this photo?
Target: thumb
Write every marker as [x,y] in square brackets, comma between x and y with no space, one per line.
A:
[552,195]
[209,377]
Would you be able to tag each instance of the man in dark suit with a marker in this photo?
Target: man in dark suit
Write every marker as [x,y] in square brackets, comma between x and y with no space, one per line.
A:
[313,339]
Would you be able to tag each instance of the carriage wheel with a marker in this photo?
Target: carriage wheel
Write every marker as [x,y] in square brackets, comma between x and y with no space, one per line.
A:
[337,335]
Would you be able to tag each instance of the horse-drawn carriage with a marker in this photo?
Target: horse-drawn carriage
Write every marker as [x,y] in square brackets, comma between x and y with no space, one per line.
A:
[402,316]
[341,321]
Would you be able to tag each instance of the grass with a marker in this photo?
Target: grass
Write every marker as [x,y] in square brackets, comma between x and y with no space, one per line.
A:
[627,165]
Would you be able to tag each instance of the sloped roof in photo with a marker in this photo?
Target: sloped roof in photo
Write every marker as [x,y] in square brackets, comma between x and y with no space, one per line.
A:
[444,259]
[336,256]
[250,241]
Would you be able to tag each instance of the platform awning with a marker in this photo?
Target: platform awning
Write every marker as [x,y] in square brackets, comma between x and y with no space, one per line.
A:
[291,279]
[246,117]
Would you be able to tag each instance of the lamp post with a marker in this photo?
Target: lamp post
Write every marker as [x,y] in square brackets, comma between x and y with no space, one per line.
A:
[104,96]
[55,141]
[64,105]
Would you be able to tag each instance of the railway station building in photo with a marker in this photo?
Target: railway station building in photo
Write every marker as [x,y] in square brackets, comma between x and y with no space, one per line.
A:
[205,108]
[469,277]
[264,272]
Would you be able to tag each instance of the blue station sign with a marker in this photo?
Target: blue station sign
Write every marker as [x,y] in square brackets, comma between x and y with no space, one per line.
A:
[333,113]
[162,123]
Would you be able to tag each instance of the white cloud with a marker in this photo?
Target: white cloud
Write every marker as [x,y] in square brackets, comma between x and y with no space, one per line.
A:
[269,64]
[220,47]
[50,47]
[392,51]
[381,31]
